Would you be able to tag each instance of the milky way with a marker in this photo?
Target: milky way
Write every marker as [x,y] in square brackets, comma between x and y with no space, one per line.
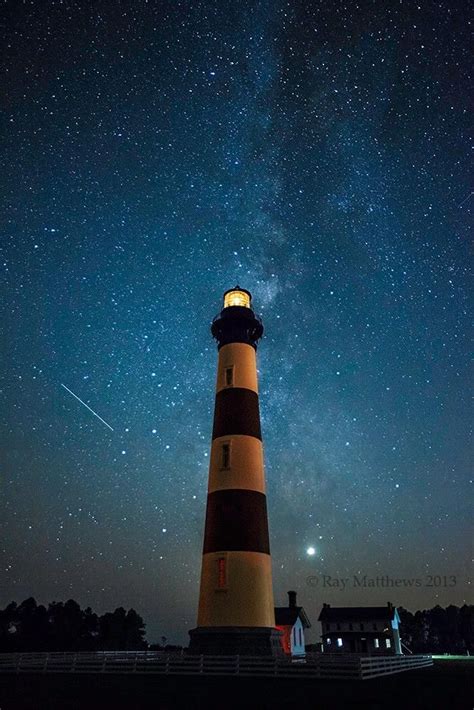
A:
[155,154]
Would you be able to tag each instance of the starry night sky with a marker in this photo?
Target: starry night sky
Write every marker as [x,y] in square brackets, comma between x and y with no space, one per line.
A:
[154,154]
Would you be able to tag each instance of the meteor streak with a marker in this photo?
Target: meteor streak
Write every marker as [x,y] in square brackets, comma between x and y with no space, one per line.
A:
[86,405]
[465,199]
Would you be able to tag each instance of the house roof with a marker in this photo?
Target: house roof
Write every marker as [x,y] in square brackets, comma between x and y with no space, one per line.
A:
[357,613]
[287,616]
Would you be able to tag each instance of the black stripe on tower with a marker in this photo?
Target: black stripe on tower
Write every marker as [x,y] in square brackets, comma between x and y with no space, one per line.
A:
[236,519]
[236,412]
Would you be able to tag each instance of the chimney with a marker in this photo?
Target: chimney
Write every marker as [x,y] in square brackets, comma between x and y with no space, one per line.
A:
[291,600]
[390,605]
[326,606]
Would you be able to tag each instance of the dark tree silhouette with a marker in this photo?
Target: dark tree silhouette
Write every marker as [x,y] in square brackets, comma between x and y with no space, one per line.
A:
[7,626]
[122,630]
[89,629]
[438,630]
[135,630]
[66,627]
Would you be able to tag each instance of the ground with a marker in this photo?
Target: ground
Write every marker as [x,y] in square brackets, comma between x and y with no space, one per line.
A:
[445,686]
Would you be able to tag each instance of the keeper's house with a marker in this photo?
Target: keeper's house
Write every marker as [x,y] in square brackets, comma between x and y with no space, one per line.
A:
[360,629]
[292,621]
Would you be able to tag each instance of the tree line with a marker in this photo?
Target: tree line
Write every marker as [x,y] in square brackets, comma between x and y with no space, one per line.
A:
[438,630]
[66,627]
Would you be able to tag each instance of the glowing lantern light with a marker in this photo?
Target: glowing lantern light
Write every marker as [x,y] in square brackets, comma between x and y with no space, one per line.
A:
[237,297]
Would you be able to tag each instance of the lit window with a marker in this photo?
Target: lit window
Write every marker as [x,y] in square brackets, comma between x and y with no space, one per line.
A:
[221,573]
[328,641]
[237,298]
[229,376]
[225,462]
[376,643]
[339,642]
[388,643]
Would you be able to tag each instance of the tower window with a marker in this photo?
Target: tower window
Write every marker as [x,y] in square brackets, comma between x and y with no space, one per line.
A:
[221,573]
[225,460]
[388,643]
[339,642]
[229,376]
[376,643]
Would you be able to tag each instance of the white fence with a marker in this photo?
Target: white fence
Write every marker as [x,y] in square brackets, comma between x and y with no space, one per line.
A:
[340,666]
[371,666]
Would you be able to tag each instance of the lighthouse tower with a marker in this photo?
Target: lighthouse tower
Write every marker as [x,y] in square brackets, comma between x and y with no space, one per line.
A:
[236,612]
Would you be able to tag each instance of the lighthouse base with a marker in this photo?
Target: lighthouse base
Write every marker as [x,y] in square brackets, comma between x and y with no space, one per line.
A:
[235,640]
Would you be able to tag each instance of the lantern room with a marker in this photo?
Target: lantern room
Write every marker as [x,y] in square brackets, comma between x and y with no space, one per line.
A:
[237,297]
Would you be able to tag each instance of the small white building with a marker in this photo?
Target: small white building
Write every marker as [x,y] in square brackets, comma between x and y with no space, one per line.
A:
[292,621]
[361,629]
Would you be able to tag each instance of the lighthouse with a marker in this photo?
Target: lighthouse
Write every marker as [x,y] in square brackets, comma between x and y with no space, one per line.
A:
[236,613]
